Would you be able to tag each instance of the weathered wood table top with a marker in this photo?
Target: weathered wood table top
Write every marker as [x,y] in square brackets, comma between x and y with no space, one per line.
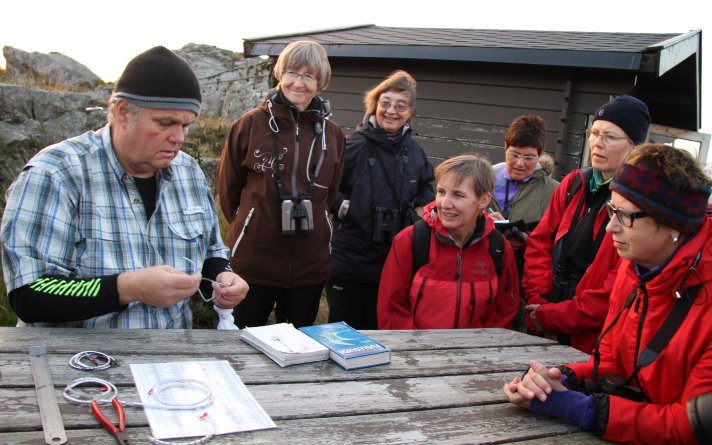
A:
[443,386]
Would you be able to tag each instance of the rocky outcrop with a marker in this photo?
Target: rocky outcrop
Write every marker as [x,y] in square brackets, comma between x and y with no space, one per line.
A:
[53,70]
[229,83]
[36,114]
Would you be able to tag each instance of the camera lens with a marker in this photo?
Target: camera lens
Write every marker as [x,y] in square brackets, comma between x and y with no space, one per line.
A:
[699,413]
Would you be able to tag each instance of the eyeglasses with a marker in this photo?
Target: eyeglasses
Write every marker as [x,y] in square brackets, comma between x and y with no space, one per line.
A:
[514,156]
[398,106]
[305,78]
[606,138]
[195,266]
[625,217]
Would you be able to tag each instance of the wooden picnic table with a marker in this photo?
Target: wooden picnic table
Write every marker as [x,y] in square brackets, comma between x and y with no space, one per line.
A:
[443,386]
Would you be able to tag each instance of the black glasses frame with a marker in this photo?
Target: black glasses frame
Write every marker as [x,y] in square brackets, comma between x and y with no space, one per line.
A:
[625,217]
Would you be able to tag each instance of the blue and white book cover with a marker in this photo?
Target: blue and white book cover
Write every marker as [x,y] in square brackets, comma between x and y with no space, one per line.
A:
[344,340]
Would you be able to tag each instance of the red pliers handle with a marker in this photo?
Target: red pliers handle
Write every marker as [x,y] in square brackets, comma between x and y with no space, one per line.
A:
[121,437]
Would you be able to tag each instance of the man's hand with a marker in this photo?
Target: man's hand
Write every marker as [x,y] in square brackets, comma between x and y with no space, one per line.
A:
[231,290]
[160,286]
[531,313]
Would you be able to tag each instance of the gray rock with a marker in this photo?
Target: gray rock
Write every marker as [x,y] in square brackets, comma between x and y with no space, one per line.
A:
[15,103]
[247,89]
[13,136]
[71,123]
[18,143]
[32,118]
[230,84]
[18,104]
[51,70]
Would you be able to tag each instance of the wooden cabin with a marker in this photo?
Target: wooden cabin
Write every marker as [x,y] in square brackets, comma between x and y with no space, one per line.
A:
[472,83]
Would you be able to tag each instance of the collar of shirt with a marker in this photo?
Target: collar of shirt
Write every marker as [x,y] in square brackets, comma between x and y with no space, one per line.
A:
[597,181]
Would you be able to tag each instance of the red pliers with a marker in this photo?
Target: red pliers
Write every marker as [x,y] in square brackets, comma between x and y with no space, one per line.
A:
[119,433]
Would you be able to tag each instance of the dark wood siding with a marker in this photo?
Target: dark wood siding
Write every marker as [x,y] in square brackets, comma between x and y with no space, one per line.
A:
[467,107]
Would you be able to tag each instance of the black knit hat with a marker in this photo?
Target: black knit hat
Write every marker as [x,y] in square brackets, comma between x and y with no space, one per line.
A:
[159,78]
[630,114]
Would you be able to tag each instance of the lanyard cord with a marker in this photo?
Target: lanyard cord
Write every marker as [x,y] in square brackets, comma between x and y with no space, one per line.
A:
[639,360]
[312,170]
[641,321]
[596,350]
[638,363]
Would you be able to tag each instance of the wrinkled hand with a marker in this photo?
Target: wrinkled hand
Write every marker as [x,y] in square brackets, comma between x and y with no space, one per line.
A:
[230,291]
[160,286]
[538,382]
[531,313]
[497,216]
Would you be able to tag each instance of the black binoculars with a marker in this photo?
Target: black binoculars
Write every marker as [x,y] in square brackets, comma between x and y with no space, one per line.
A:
[515,233]
[386,223]
[564,285]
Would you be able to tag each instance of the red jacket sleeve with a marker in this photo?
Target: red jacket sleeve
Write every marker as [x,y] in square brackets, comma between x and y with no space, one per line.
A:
[393,308]
[587,310]
[506,304]
[537,276]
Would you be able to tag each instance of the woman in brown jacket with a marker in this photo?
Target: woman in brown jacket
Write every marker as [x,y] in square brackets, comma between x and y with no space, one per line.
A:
[278,175]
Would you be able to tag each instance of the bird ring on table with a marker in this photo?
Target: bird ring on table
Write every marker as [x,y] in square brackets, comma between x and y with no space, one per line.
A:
[92,361]
[73,392]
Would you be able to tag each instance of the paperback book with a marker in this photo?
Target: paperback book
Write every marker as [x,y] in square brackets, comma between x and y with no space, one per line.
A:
[348,347]
[285,344]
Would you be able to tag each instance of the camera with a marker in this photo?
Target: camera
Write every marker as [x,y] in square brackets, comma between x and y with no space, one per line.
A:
[386,223]
[699,413]
[297,215]
[615,385]
[515,233]
[564,284]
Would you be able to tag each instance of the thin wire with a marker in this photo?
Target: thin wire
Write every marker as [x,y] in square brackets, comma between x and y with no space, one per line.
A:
[211,433]
[97,361]
[109,391]
[195,267]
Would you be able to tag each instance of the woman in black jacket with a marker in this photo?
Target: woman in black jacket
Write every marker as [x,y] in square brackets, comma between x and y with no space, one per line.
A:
[387,179]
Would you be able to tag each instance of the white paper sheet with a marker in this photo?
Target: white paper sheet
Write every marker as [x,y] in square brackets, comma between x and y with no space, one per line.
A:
[233,410]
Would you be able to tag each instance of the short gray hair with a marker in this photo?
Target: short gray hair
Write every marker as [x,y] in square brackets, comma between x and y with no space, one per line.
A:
[134,109]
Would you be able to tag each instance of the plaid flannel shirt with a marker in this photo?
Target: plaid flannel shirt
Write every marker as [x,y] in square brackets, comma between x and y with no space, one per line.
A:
[75,212]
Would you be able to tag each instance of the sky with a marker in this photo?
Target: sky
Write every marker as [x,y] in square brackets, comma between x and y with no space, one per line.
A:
[104,36]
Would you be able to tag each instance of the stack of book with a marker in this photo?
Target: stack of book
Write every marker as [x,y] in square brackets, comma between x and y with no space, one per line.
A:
[285,344]
[349,348]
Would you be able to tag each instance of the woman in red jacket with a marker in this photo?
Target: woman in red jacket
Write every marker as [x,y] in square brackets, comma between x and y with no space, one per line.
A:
[570,262]
[459,286]
[644,369]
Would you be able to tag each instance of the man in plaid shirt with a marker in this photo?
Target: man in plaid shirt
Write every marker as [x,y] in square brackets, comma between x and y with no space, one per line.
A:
[108,229]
